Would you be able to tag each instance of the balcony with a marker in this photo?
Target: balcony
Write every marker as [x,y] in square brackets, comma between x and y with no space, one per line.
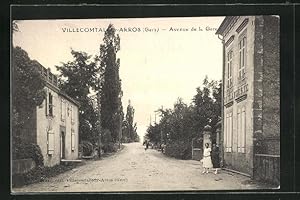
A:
[228,99]
[240,93]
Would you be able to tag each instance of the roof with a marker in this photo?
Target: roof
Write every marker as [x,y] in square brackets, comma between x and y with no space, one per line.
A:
[224,25]
[69,98]
[56,89]
[51,81]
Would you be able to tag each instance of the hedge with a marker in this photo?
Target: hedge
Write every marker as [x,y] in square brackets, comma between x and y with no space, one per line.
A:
[23,150]
[179,149]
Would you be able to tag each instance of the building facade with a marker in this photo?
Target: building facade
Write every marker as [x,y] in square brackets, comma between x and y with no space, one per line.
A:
[54,125]
[251,94]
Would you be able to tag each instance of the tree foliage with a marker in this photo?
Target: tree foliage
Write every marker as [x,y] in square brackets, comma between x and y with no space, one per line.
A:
[178,126]
[111,93]
[129,128]
[77,78]
[27,89]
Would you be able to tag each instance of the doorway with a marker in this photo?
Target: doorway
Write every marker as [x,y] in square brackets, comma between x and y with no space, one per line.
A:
[62,142]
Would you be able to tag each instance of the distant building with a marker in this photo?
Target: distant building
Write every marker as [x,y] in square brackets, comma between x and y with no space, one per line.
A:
[251,95]
[54,124]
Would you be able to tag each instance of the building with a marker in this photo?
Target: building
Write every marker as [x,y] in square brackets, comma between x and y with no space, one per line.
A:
[54,124]
[251,96]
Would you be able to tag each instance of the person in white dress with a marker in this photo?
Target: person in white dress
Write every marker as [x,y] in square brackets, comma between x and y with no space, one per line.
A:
[206,160]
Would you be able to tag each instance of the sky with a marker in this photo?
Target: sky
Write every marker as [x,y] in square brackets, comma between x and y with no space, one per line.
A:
[161,58]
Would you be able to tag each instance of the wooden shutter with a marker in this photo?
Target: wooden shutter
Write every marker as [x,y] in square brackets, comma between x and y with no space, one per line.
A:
[72,140]
[226,133]
[72,114]
[63,110]
[46,103]
[243,131]
[239,130]
[230,132]
[50,142]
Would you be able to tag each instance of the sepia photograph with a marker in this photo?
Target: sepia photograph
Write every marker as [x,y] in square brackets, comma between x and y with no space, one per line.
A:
[145,104]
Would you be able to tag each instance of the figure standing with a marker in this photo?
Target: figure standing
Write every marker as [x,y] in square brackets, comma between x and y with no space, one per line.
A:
[206,161]
[215,157]
[146,144]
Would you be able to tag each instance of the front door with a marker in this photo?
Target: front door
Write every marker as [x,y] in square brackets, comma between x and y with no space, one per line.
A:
[62,142]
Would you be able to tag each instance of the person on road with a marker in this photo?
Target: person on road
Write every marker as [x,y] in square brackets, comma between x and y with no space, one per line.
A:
[206,161]
[215,157]
[162,147]
[146,145]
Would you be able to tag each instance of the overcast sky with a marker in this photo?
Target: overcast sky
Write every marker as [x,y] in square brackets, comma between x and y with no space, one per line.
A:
[156,68]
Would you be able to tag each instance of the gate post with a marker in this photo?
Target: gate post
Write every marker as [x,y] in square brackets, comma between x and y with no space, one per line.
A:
[207,136]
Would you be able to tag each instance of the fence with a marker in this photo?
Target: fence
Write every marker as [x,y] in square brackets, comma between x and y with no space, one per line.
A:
[267,168]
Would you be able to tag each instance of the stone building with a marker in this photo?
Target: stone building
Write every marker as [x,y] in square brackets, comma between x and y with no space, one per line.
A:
[54,125]
[251,96]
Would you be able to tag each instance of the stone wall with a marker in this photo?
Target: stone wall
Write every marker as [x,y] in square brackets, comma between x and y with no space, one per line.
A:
[271,86]
[22,166]
[267,168]
[258,85]
[267,135]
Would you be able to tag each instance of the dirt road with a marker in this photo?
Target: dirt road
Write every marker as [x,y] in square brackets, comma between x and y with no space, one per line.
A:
[134,169]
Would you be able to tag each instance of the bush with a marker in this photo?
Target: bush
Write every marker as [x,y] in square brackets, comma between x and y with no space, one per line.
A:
[110,147]
[40,173]
[179,149]
[22,150]
[86,148]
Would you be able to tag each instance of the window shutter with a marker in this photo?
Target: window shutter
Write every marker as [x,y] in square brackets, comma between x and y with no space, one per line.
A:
[63,109]
[239,130]
[230,135]
[72,140]
[243,124]
[50,142]
[226,133]
[46,103]
[50,104]
[72,114]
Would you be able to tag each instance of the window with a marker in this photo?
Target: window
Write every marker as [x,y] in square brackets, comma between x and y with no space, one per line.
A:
[242,56]
[50,106]
[241,128]
[72,139]
[63,109]
[228,133]
[229,68]
[50,142]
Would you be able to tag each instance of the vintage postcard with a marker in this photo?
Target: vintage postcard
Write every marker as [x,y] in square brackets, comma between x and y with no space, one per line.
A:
[145,104]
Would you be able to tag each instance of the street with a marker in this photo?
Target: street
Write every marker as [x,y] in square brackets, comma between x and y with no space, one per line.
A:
[134,169]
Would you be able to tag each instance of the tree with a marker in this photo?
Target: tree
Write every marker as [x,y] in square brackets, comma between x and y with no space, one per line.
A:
[178,126]
[129,128]
[111,93]
[77,78]
[27,89]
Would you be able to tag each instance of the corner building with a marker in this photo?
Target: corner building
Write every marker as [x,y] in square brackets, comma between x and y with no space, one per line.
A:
[251,96]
